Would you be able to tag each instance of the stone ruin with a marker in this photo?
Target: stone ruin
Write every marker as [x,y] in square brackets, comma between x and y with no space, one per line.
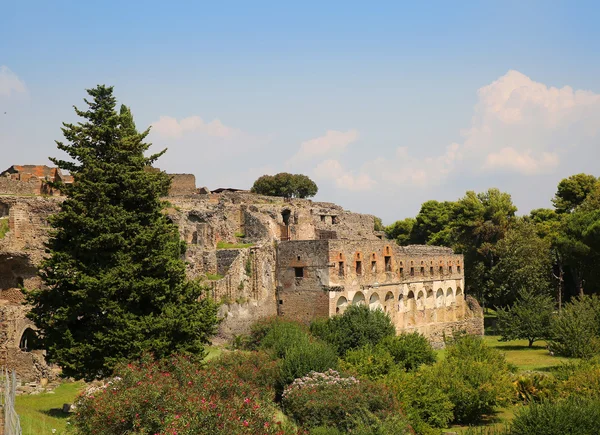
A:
[259,256]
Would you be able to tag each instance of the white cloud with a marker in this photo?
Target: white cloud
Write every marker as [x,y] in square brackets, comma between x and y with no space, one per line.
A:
[333,170]
[169,127]
[519,126]
[332,142]
[523,162]
[10,82]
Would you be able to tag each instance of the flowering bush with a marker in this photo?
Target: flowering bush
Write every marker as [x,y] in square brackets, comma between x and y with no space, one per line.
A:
[327,399]
[177,397]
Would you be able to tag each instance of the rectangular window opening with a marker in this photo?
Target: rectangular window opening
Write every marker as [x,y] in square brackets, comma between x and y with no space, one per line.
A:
[431,271]
[299,272]
[401,271]
[422,271]
[373,267]
[359,267]
[449,269]
[412,271]
[388,263]
[341,268]
[441,270]
[458,269]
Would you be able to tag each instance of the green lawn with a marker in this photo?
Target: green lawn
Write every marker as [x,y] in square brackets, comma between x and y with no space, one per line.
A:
[41,413]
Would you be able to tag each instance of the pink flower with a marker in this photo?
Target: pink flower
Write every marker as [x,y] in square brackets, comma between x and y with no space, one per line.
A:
[246,423]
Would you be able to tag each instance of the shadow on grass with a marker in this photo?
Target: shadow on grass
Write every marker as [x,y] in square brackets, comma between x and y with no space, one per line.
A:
[519,347]
[56,413]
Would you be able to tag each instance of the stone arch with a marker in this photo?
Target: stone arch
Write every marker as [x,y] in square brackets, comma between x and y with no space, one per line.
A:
[410,301]
[430,302]
[374,302]
[421,300]
[459,295]
[439,298]
[401,302]
[389,301]
[449,297]
[358,299]
[341,305]
[28,340]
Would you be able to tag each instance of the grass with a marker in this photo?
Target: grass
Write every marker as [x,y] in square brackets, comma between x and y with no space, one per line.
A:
[3,227]
[41,413]
[214,276]
[225,245]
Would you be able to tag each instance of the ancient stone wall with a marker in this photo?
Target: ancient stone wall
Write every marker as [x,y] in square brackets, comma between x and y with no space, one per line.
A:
[8,186]
[182,184]
[302,280]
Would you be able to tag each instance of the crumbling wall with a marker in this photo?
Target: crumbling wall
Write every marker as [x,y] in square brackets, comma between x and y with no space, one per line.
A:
[182,184]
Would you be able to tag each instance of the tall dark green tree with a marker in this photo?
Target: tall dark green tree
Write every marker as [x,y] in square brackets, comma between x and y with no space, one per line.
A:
[115,277]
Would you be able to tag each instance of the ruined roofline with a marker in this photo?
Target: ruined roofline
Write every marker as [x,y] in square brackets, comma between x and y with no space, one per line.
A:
[408,250]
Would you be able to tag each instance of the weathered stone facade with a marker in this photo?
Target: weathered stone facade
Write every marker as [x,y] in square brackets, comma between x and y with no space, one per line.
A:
[248,250]
[420,287]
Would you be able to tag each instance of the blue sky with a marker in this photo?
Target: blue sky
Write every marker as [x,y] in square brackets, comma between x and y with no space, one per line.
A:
[384,104]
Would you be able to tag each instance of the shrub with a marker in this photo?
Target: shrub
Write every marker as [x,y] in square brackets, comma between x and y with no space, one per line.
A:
[329,400]
[372,362]
[357,327]
[421,398]
[177,396]
[304,357]
[576,331]
[409,350]
[581,380]
[280,335]
[256,368]
[533,387]
[567,417]
[476,378]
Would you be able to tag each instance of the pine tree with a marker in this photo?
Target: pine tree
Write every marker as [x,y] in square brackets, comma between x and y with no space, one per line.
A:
[115,278]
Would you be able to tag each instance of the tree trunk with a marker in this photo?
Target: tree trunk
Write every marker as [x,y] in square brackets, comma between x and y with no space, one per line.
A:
[531,342]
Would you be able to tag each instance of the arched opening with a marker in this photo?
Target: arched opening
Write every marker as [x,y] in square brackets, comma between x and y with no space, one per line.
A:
[410,300]
[459,295]
[29,340]
[421,300]
[401,302]
[430,301]
[341,305]
[374,302]
[285,215]
[449,297]
[389,301]
[358,299]
[439,298]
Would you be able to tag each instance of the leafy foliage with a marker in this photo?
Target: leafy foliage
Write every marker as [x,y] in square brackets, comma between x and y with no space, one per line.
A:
[327,399]
[357,327]
[305,357]
[567,417]
[409,350]
[371,362]
[115,275]
[475,378]
[176,396]
[529,318]
[576,331]
[286,185]
[573,191]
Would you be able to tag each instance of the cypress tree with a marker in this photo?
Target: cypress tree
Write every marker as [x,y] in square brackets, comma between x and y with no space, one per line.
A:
[114,274]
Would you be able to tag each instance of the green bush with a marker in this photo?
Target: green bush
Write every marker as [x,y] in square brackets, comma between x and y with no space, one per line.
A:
[581,380]
[280,335]
[533,387]
[304,357]
[476,378]
[178,396]
[409,350]
[372,362]
[421,398]
[567,417]
[357,327]
[329,400]
[576,331]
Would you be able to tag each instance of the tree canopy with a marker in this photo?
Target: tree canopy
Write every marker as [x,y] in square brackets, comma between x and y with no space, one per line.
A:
[286,185]
[116,284]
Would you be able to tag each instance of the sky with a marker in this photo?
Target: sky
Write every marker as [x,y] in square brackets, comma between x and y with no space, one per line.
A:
[384,104]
